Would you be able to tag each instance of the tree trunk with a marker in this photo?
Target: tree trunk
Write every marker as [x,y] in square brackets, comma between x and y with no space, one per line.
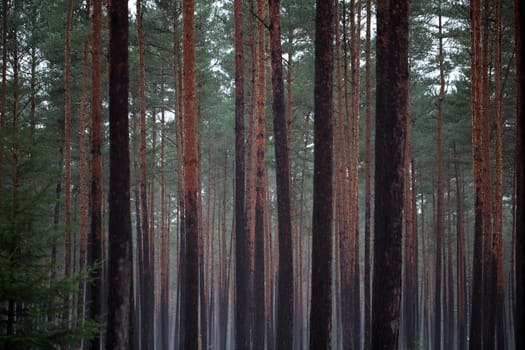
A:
[96,170]
[460,258]
[147,290]
[368,189]
[67,152]
[392,108]
[282,163]
[321,286]
[191,207]
[241,234]
[119,269]
[476,325]
[3,106]
[260,180]
[519,27]
[497,250]
[440,196]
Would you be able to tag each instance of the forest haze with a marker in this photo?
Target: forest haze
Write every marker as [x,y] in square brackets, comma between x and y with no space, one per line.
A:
[261,174]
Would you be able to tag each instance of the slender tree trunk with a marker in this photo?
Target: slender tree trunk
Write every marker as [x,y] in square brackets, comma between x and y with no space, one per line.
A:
[460,257]
[165,243]
[67,151]
[3,106]
[440,196]
[519,27]
[476,325]
[392,109]
[497,250]
[280,129]
[241,234]
[96,170]
[321,293]
[368,176]
[260,181]
[191,217]
[147,292]
[119,269]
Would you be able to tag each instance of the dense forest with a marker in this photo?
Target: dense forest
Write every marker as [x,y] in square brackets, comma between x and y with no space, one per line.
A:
[252,174]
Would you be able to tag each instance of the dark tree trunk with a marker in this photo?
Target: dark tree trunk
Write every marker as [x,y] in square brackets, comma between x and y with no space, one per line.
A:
[321,287]
[440,217]
[520,155]
[95,238]
[392,108]
[191,208]
[119,268]
[280,129]
[460,259]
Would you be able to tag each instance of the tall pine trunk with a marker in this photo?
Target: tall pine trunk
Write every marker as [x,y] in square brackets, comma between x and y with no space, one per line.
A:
[119,268]
[321,285]
[241,234]
[191,206]
[95,238]
[392,108]
[282,163]
[519,27]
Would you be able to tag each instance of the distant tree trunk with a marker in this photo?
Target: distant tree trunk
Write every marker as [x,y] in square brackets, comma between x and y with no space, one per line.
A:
[368,182]
[241,234]
[83,172]
[147,291]
[440,196]
[489,288]
[280,129]
[67,150]
[519,27]
[391,108]
[461,279]
[321,285]
[497,251]
[96,169]
[260,180]
[191,207]
[3,117]
[119,269]
[165,243]
[410,255]
[476,324]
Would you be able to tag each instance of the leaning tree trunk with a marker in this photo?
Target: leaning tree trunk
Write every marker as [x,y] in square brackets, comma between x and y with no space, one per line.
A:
[392,108]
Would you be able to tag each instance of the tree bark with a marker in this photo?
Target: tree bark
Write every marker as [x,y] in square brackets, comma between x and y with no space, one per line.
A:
[191,207]
[96,170]
[440,195]
[260,181]
[321,293]
[368,182]
[119,268]
[282,163]
[392,108]
[67,150]
[476,324]
[519,28]
[241,234]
